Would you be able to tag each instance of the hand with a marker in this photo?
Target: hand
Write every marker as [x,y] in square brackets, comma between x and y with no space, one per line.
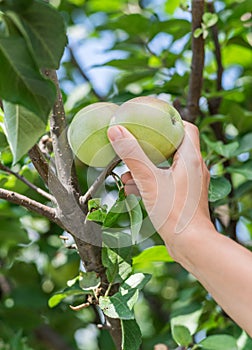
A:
[176,199]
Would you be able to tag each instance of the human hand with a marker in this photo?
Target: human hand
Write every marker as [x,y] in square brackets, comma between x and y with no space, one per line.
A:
[176,199]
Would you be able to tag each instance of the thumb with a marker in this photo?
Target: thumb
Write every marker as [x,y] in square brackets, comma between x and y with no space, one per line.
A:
[129,150]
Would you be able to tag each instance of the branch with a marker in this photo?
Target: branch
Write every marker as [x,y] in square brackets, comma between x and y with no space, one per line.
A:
[196,77]
[63,154]
[29,204]
[215,102]
[40,163]
[83,74]
[27,182]
[98,182]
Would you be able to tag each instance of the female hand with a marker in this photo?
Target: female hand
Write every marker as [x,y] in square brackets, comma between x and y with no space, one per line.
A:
[176,198]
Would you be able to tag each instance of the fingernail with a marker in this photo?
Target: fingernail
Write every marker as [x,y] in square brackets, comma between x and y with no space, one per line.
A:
[115,133]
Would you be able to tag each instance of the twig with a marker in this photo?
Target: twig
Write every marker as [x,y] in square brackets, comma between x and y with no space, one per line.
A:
[40,163]
[196,77]
[83,74]
[28,183]
[29,204]
[98,182]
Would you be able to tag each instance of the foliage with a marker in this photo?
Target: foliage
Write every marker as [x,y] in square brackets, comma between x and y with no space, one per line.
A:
[147,50]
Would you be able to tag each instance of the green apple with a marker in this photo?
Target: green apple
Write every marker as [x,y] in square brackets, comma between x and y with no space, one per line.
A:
[87,134]
[156,125]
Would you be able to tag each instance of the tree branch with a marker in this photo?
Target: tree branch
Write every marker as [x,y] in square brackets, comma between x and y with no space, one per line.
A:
[63,154]
[29,204]
[214,103]
[40,163]
[196,77]
[28,183]
[83,74]
[98,182]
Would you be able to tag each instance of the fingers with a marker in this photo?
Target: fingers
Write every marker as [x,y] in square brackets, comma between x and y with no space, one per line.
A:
[129,184]
[189,150]
[128,149]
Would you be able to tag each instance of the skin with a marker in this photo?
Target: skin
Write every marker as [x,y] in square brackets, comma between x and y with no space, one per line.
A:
[176,200]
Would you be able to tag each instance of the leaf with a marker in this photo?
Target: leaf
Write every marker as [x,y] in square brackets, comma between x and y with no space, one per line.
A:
[114,213]
[118,305]
[244,169]
[226,151]
[44,31]
[245,144]
[136,216]
[23,129]
[197,33]
[21,82]
[117,263]
[219,342]
[149,255]
[188,317]
[210,19]
[89,280]
[219,188]
[98,215]
[58,297]
[135,281]
[131,335]
[181,335]
[94,203]
[171,6]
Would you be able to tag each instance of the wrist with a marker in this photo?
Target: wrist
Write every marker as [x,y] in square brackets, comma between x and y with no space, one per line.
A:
[185,245]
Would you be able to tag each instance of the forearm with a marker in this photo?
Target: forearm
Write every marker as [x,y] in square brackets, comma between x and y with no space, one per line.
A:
[224,268]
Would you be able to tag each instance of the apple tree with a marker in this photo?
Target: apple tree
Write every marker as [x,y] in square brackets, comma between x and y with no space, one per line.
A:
[81,265]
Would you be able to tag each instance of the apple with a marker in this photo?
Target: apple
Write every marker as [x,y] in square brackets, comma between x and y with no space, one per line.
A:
[87,134]
[156,125]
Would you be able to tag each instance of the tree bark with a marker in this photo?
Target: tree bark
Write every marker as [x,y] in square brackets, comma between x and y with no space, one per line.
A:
[196,77]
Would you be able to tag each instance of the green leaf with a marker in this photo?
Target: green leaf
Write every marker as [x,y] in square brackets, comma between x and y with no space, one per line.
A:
[226,151]
[23,129]
[58,297]
[171,6]
[15,5]
[45,34]
[149,255]
[98,215]
[117,263]
[131,335]
[116,238]
[118,305]
[94,203]
[210,19]
[244,169]
[219,188]
[245,144]
[219,342]
[197,33]
[181,335]
[136,216]
[135,281]
[89,280]
[236,54]
[21,82]
[188,317]
[114,213]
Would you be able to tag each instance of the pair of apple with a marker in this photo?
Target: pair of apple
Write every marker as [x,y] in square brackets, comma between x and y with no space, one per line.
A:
[155,124]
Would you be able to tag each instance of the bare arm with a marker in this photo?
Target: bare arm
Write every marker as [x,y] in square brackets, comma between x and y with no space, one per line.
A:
[177,202]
